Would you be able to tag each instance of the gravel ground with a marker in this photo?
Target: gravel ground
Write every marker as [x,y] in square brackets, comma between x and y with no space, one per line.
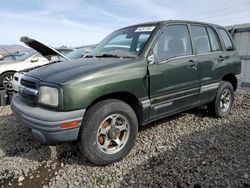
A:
[191,149]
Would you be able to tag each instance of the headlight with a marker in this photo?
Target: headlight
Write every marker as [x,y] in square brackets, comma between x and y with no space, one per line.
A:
[48,96]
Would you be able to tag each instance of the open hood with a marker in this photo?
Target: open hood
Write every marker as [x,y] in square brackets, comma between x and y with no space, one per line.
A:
[43,49]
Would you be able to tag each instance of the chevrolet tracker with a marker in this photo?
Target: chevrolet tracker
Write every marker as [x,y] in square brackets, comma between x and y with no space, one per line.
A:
[134,76]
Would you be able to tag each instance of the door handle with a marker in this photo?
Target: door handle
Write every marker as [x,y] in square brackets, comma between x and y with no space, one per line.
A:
[221,59]
[193,64]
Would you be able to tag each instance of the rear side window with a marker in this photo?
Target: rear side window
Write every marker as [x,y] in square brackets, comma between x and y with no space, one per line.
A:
[226,39]
[173,42]
[201,40]
[213,40]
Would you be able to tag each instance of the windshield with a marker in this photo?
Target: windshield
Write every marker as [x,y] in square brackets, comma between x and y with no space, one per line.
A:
[25,56]
[127,42]
[76,54]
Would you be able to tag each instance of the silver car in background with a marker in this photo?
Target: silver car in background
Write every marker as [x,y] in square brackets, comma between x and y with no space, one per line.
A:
[32,59]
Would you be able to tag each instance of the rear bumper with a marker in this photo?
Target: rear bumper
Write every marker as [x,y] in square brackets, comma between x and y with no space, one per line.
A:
[45,124]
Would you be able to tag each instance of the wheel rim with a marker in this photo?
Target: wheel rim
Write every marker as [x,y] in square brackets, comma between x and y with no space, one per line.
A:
[7,82]
[113,134]
[225,100]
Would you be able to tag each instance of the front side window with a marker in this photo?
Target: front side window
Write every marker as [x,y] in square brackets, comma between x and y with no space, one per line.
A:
[174,41]
[201,41]
[126,42]
[213,40]
[226,39]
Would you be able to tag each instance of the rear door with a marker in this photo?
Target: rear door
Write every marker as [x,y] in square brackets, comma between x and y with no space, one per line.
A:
[174,77]
[209,59]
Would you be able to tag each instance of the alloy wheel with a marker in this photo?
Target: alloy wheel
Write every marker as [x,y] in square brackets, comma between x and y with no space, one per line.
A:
[113,133]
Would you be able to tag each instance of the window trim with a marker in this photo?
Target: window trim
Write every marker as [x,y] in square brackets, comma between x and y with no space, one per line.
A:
[193,55]
[178,57]
[174,58]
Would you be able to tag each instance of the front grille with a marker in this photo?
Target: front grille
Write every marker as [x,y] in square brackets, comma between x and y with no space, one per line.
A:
[28,84]
[28,97]
[28,90]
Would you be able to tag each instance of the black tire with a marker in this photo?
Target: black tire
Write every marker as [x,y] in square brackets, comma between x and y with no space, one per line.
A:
[4,75]
[3,99]
[93,119]
[215,107]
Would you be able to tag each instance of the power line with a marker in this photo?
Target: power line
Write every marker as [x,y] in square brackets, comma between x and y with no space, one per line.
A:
[212,11]
[227,13]
[235,18]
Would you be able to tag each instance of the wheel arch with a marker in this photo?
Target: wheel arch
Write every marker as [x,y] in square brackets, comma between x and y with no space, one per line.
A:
[230,78]
[8,72]
[126,97]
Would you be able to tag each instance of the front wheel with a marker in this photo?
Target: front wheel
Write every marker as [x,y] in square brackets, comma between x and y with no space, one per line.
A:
[6,80]
[223,102]
[108,132]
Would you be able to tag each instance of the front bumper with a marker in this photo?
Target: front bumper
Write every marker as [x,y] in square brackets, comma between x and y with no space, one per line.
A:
[16,83]
[45,124]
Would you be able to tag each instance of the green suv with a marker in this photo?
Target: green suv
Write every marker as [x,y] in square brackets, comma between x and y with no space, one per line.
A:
[136,75]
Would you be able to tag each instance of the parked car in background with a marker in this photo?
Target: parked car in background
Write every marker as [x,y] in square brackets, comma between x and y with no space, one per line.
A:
[29,60]
[10,57]
[75,54]
[63,51]
[135,76]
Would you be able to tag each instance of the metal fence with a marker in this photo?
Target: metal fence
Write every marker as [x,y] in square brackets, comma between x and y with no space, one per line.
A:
[241,36]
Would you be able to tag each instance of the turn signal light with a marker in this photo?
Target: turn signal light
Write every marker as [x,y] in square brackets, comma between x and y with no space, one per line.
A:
[69,124]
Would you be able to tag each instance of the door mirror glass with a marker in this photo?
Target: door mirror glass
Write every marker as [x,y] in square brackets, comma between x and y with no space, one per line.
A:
[34,59]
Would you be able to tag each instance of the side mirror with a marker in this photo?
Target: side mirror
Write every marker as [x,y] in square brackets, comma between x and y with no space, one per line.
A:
[34,59]
[150,57]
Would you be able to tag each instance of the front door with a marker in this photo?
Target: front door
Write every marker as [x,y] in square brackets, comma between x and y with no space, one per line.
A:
[174,77]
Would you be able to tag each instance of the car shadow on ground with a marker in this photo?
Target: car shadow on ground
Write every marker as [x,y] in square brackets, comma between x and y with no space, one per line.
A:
[218,157]
[69,153]
[199,112]
[17,141]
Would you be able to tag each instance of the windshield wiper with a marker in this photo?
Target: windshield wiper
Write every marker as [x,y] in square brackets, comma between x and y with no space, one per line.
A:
[108,55]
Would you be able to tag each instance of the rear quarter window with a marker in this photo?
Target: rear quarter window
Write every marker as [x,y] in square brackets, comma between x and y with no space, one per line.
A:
[215,45]
[226,39]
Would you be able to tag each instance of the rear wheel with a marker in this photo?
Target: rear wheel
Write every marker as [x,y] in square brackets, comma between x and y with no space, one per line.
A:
[223,102]
[108,132]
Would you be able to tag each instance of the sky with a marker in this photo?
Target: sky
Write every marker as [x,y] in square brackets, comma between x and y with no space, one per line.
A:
[81,22]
